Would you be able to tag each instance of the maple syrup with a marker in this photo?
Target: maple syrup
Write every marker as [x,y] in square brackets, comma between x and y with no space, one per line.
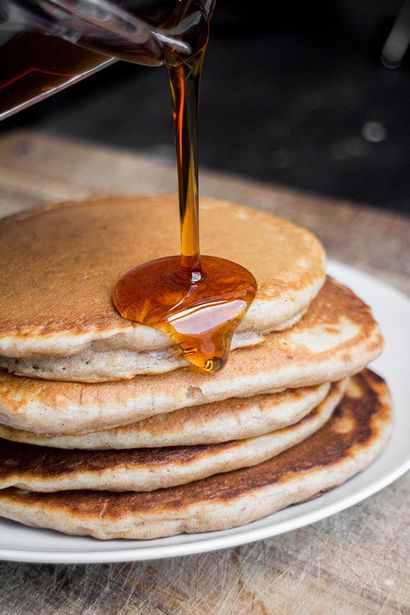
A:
[34,66]
[198,300]
[199,313]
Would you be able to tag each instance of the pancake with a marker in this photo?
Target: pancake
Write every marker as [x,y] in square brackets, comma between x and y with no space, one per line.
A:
[110,365]
[337,338]
[43,469]
[60,263]
[230,419]
[348,443]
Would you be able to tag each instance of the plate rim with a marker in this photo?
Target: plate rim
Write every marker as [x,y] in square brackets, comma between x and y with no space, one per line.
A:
[243,534]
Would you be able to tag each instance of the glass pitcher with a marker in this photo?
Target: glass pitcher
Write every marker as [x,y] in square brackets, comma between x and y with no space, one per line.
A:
[47,45]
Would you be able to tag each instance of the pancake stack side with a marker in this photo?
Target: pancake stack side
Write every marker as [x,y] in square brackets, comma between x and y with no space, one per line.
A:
[106,430]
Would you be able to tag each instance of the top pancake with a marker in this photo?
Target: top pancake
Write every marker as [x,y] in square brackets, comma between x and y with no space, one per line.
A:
[59,263]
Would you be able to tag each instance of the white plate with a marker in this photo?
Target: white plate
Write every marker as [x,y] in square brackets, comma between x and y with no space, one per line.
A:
[392,309]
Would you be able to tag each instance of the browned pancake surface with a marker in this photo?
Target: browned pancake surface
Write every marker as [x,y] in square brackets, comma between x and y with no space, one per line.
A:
[25,463]
[360,420]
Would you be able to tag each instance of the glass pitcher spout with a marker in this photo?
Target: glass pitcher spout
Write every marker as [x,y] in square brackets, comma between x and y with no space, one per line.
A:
[46,45]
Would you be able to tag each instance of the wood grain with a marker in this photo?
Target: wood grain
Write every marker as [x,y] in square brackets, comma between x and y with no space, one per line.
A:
[352,563]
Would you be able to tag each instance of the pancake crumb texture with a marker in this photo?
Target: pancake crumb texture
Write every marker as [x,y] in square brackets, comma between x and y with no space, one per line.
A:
[231,419]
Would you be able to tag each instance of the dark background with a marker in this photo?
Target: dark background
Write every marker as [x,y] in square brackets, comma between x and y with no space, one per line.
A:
[302,100]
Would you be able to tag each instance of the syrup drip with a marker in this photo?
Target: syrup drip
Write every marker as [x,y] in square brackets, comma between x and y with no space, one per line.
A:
[200,315]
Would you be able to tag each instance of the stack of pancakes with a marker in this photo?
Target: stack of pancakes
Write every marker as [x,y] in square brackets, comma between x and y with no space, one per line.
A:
[106,430]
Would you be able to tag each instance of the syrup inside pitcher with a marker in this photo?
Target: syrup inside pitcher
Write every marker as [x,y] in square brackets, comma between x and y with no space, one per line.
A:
[48,45]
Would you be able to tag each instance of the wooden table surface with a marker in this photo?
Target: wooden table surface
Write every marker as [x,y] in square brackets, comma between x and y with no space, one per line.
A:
[354,562]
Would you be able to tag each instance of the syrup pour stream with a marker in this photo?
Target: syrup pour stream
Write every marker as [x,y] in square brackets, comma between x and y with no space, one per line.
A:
[198,300]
